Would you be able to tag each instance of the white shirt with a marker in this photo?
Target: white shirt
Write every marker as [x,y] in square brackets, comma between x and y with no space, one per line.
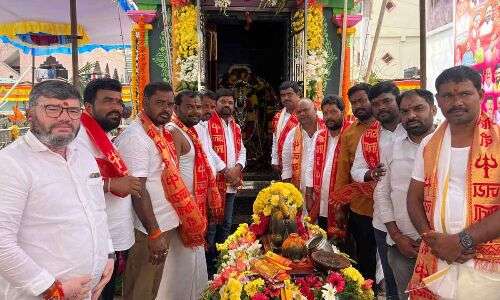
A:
[325,183]
[52,218]
[143,160]
[456,204]
[360,166]
[390,194]
[232,160]
[119,210]
[287,156]
[276,136]
[455,210]
[216,163]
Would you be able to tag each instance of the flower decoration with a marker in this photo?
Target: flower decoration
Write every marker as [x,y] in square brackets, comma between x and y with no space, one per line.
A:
[280,196]
[238,279]
[15,131]
[185,45]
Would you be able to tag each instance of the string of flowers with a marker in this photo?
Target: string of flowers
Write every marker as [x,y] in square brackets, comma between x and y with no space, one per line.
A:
[185,46]
[142,62]
[316,67]
[133,56]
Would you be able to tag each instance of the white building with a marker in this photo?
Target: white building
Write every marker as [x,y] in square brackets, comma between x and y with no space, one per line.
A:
[398,44]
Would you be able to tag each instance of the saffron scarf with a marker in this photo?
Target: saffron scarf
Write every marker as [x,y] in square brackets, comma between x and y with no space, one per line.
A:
[193,224]
[482,191]
[205,188]
[297,151]
[216,131]
[112,165]
[370,145]
[282,131]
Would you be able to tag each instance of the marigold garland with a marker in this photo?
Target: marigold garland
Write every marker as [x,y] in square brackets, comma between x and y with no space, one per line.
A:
[142,62]
[185,45]
[133,56]
[316,58]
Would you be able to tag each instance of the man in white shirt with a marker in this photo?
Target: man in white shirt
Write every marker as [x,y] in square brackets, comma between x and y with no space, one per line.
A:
[208,104]
[103,112]
[321,165]
[298,143]
[54,237]
[453,196]
[155,215]
[417,111]
[385,110]
[284,120]
[227,143]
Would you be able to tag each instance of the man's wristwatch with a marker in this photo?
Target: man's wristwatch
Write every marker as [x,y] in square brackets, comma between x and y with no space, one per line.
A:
[112,255]
[466,240]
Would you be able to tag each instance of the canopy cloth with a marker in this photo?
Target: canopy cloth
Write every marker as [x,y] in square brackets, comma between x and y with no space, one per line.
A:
[102,24]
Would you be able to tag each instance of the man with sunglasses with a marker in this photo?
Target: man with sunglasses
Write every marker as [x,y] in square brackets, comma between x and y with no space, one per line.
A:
[54,238]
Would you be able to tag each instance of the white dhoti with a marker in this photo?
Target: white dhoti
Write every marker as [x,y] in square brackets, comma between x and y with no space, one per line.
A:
[185,273]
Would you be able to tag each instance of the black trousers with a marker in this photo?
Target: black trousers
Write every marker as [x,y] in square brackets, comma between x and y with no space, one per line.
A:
[365,253]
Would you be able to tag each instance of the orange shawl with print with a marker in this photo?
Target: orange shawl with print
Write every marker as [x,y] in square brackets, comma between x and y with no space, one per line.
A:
[205,188]
[297,150]
[482,196]
[193,224]
[218,138]
[320,149]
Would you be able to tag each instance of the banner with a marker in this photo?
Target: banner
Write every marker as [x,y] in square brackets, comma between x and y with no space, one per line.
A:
[477,44]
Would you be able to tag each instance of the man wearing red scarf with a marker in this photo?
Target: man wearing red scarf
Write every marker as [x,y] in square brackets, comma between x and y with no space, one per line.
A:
[322,163]
[103,113]
[227,143]
[284,120]
[185,274]
[298,143]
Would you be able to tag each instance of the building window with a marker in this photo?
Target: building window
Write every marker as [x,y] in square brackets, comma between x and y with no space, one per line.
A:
[387,58]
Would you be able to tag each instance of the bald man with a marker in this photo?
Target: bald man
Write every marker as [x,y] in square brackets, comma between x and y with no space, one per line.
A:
[298,142]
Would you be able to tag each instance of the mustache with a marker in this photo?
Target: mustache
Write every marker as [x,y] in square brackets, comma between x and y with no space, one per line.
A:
[68,123]
[456,109]
[114,112]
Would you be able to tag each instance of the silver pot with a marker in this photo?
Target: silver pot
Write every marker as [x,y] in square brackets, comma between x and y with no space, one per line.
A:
[318,242]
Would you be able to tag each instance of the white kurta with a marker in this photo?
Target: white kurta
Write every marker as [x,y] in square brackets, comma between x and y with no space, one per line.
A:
[185,273]
[119,210]
[53,222]
[325,182]
[455,281]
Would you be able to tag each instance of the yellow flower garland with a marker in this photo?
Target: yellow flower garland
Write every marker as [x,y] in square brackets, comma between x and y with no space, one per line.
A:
[184,37]
[133,57]
[314,26]
[280,196]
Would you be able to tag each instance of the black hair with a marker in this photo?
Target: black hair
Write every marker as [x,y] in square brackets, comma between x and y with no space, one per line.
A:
[53,89]
[383,87]
[209,94]
[151,88]
[224,93]
[427,95]
[108,84]
[359,87]
[333,99]
[290,84]
[459,74]
[184,93]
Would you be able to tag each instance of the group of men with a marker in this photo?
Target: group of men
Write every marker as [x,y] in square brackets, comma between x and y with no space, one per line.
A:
[425,201]
[79,207]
